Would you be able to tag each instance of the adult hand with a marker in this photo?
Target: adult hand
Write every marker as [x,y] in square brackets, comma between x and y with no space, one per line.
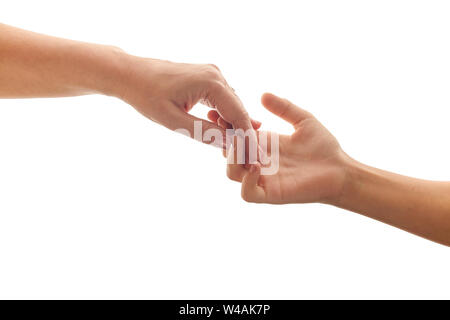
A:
[310,166]
[165,92]
[313,168]
[36,65]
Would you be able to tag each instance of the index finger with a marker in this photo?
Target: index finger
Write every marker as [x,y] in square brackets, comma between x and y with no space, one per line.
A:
[229,106]
[231,109]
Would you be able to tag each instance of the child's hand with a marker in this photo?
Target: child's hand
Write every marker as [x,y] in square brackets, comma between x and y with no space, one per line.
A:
[311,162]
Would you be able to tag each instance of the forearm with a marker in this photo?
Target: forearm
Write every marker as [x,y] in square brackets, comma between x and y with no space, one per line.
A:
[35,65]
[418,206]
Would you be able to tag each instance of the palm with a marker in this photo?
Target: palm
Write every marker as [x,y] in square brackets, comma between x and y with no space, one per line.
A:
[308,165]
[306,170]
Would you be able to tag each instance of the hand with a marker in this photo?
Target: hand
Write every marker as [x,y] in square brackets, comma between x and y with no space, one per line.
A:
[165,92]
[311,162]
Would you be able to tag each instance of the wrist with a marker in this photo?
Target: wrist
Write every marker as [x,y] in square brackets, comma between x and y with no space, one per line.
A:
[351,172]
[129,76]
[111,71]
[359,182]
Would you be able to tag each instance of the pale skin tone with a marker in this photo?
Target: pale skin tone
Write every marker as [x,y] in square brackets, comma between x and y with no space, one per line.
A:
[36,65]
[313,167]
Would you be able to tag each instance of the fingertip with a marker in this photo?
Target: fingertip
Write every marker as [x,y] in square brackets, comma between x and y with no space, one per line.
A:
[256,124]
[250,191]
[267,97]
[255,169]
[213,115]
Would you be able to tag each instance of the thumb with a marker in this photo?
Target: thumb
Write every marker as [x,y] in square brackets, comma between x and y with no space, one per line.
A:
[231,109]
[284,109]
[250,191]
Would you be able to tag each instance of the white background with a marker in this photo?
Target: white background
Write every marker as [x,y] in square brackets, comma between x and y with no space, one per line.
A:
[98,202]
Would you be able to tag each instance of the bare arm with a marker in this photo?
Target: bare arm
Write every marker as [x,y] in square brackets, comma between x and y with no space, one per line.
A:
[36,65]
[418,206]
[313,168]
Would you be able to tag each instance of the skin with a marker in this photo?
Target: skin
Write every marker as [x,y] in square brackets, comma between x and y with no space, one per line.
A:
[35,65]
[314,168]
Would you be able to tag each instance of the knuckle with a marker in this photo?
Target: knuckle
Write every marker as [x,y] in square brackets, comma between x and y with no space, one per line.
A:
[212,72]
[216,85]
[212,65]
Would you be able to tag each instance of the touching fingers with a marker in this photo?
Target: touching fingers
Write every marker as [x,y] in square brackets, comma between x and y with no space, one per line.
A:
[229,106]
[235,169]
[196,128]
[214,116]
[250,190]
